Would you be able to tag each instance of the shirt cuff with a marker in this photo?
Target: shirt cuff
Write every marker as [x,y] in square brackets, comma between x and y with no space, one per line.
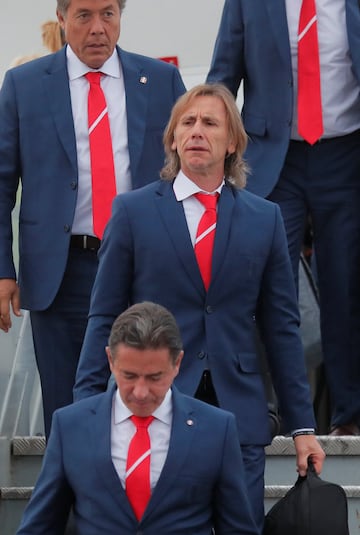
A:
[304,431]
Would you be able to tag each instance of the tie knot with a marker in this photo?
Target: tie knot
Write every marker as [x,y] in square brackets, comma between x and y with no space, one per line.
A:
[141,421]
[93,77]
[209,201]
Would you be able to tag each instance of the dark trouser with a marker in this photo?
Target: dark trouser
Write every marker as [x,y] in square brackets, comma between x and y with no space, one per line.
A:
[254,463]
[58,332]
[323,181]
[253,456]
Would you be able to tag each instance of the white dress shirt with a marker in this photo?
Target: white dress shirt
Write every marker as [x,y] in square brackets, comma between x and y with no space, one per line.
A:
[184,190]
[339,87]
[114,90]
[122,431]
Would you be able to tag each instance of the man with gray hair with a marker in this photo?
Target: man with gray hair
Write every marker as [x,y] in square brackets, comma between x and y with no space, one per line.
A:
[72,156]
[188,478]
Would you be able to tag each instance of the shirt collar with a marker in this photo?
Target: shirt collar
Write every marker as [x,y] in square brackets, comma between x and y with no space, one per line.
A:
[162,413]
[76,68]
[185,188]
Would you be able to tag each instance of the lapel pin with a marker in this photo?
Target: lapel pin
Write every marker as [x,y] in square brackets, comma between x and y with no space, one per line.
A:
[190,422]
[143,80]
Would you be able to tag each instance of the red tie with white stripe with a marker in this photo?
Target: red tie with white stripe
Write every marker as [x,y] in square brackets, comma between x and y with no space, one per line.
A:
[310,123]
[137,477]
[205,235]
[101,155]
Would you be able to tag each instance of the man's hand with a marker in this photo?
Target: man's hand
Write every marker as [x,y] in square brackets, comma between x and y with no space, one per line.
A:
[308,446]
[9,295]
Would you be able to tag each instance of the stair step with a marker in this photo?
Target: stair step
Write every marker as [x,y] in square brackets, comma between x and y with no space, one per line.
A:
[21,446]
[342,466]
[35,445]
[13,501]
[332,445]
[15,493]
[20,460]
[342,463]
[271,492]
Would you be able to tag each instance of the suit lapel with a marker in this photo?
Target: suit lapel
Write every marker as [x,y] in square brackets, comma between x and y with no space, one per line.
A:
[223,226]
[136,81]
[57,91]
[183,431]
[278,24]
[101,445]
[173,218]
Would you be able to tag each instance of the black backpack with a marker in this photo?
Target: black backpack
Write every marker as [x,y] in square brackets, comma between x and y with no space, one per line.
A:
[311,507]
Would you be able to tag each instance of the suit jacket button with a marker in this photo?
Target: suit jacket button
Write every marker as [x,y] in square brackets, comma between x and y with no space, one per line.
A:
[209,309]
[73,185]
[201,355]
[67,228]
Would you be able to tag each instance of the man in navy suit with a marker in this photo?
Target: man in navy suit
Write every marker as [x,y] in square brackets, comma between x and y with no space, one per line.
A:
[148,254]
[44,141]
[257,45]
[196,472]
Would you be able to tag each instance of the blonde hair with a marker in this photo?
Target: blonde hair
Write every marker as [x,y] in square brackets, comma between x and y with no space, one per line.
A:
[53,37]
[235,167]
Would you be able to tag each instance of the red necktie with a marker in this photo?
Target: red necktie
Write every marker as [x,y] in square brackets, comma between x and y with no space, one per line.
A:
[310,124]
[137,477]
[204,242]
[101,155]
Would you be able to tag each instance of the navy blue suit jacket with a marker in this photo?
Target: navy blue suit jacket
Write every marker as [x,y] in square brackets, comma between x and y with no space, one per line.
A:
[202,481]
[253,46]
[37,143]
[147,254]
